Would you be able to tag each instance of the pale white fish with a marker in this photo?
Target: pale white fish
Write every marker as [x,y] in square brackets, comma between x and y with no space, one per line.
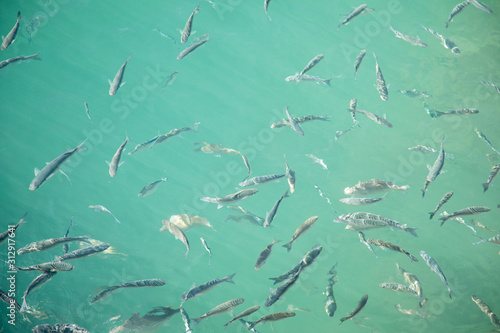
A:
[318,161]
[115,161]
[117,81]
[11,36]
[151,188]
[87,110]
[100,208]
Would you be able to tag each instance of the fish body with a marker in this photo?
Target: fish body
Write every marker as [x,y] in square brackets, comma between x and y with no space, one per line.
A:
[151,188]
[318,161]
[291,177]
[170,79]
[481,6]
[144,145]
[264,256]
[312,63]
[36,283]
[176,131]
[362,239]
[436,168]
[491,177]
[84,252]
[10,231]
[360,201]
[191,48]
[197,291]
[486,309]
[362,220]
[306,261]
[457,10]
[359,307]
[497,88]
[261,180]
[115,161]
[386,245]
[101,208]
[301,230]
[205,245]
[117,81]
[52,167]
[299,120]
[9,300]
[435,267]
[330,304]
[295,126]
[186,32]
[49,244]
[352,108]
[243,314]
[381,87]
[179,234]
[257,219]
[272,317]
[495,240]
[231,198]
[51,266]
[480,225]
[186,320]
[11,36]
[282,289]
[304,77]
[133,284]
[429,150]
[483,137]
[414,283]
[397,287]
[414,93]
[412,40]
[87,112]
[5,63]
[266,4]
[274,210]
[473,210]
[376,118]
[358,61]
[443,200]
[219,309]
[421,313]
[373,186]
[447,43]
[456,112]
[356,12]
[339,134]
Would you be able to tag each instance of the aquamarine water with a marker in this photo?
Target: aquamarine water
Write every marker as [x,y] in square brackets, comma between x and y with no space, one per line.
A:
[234,87]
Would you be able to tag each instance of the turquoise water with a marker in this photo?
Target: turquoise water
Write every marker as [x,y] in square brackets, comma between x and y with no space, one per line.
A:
[234,87]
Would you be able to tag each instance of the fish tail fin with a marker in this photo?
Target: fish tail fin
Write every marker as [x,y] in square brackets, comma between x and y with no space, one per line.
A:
[485,187]
[276,280]
[431,215]
[195,126]
[413,258]
[288,246]
[230,278]
[481,241]
[24,307]
[443,220]
[36,57]
[186,255]
[327,81]
[411,231]
[195,321]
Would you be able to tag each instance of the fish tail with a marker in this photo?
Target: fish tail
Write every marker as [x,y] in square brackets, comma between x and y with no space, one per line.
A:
[431,215]
[288,246]
[327,82]
[230,278]
[481,241]
[485,187]
[195,321]
[411,231]
[443,219]
[24,307]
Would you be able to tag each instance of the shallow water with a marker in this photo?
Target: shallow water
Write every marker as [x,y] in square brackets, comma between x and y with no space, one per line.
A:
[234,87]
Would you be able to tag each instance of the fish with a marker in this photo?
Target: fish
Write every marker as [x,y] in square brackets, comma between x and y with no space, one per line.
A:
[277,293]
[272,213]
[205,245]
[495,240]
[397,287]
[187,28]
[151,188]
[373,186]
[191,48]
[115,161]
[51,266]
[100,208]
[84,252]
[491,177]
[359,307]
[318,161]
[457,10]
[362,220]
[362,239]
[264,255]
[443,200]
[436,168]
[170,79]
[447,43]
[231,198]
[376,118]
[414,283]
[352,108]
[66,328]
[330,304]
[197,291]
[150,322]
[414,93]
[473,210]
[36,283]
[356,12]
[144,145]
[299,120]
[486,309]
[248,326]
[87,112]
[11,36]
[304,77]
[178,233]
[306,261]
[47,244]
[480,225]
[386,245]
[186,320]
[9,300]
[219,309]
[295,126]
[361,201]
[50,169]
[266,4]
[381,87]
[291,176]
[133,284]
[483,137]
[323,195]
[261,180]
[243,314]
[5,63]
[254,218]
[421,313]
[426,149]
[435,267]
[455,112]
[12,230]
[117,81]
[312,63]
[176,131]
[481,6]
[358,61]
[339,134]
[301,230]
[497,88]
[412,40]
[272,317]
[211,148]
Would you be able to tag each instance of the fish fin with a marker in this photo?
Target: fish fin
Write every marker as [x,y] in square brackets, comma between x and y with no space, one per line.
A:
[431,215]
[37,171]
[230,278]
[485,187]
[429,167]
[122,84]
[24,307]
[110,83]
[108,163]
[219,206]
[288,246]
[120,164]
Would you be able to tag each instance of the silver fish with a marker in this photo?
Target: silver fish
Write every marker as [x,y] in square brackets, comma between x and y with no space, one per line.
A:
[11,61]
[376,118]
[381,87]
[231,198]
[358,61]
[481,6]
[47,244]
[304,77]
[443,200]
[295,126]
[497,88]
[436,168]
[480,225]
[473,210]
[330,303]
[353,104]
[87,112]
[312,63]
[46,267]
[100,208]
[205,245]
[52,167]
[178,233]
[386,245]
[261,180]
[219,309]
[361,201]
[429,150]
[151,188]
[491,177]
[299,120]
[339,134]
[84,252]
[455,112]
[187,28]
[414,283]
[301,230]
[133,284]
[11,36]
[356,12]
[186,320]
[486,309]
[272,317]
[457,10]
[495,240]
[257,219]
[191,48]
[291,176]
[272,213]
[414,93]
[306,261]
[412,40]
[266,4]
[176,131]
[447,43]
[359,307]
[397,287]
[12,230]
[422,313]
[318,161]
[282,289]
[197,291]
[243,314]
[117,81]
[144,145]
[170,79]
[362,239]
[482,136]
[36,283]
[67,328]
[264,255]
[435,267]
[115,161]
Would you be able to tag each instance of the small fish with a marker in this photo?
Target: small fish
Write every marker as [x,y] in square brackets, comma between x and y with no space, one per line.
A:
[52,167]
[151,188]
[100,208]
[36,283]
[358,61]
[291,176]
[321,194]
[272,213]
[304,77]
[412,40]
[361,201]
[117,81]
[115,161]
[381,87]
[205,245]
[231,198]
[386,245]
[421,313]
[491,177]
[376,118]
[397,287]
[473,210]
[254,218]
[282,289]
[495,240]
[414,93]
[481,6]
[435,267]
[362,239]
[179,234]
[447,43]
[299,120]
[359,307]
[176,131]
[187,28]
[306,261]
[186,320]
[11,36]
[352,108]
[133,284]
[197,291]
[170,79]
[84,252]
[243,314]
[436,168]
[5,63]
[301,230]
[457,10]
[356,12]
[51,266]
[480,225]
[429,150]
[455,112]
[414,283]
[486,309]
[12,230]
[272,317]
[330,303]
[87,112]
[295,126]
[266,4]
[443,200]
[9,300]
[483,137]
[151,321]
[219,309]
[497,88]
[261,180]
[264,255]
[144,145]
[339,134]
[47,244]
[312,63]
[318,161]
[191,48]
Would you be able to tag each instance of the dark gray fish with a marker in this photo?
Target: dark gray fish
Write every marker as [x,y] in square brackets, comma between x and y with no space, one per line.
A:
[491,177]
[50,266]
[47,244]
[264,256]
[65,245]
[191,48]
[486,309]
[272,317]
[301,230]
[36,283]
[457,10]
[386,245]
[272,213]
[435,267]
[187,28]
[436,168]
[356,12]
[443,200]
[219,309]
[306,261]
[412,40]
[11,36]
[295,126]
[151,188]
[197,291]
[358,61]
[59,328]
[481,6]
[84,252]
[52,167]
[359,307]
[312,63]
[473,210]
[115,161]
[282,289]
[9,300]
[117,80]
[243,314]
[11,61]
[11,231]
[247,215]
[381,87]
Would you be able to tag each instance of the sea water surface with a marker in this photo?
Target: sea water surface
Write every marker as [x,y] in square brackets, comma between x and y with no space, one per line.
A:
[234,87]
